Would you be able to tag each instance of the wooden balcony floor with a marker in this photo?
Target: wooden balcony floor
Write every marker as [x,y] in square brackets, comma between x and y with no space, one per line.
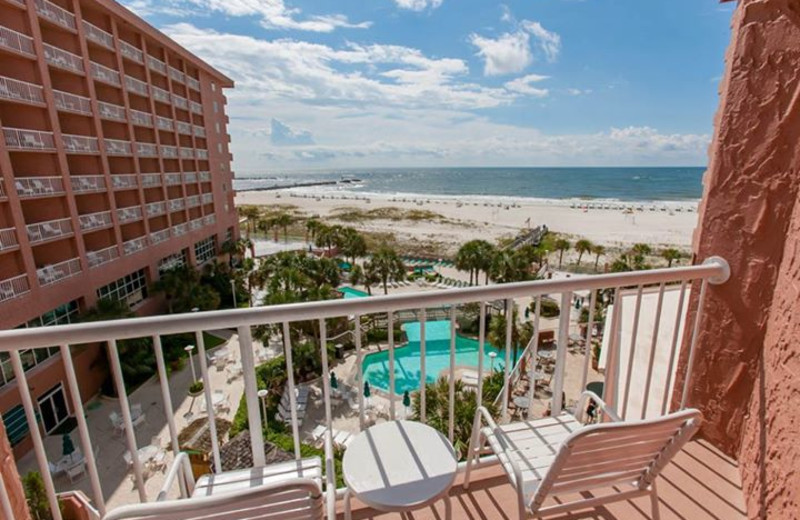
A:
[700,484]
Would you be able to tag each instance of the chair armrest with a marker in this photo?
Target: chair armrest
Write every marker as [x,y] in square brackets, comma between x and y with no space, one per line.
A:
[486,417]
[181,469]
[330,475]
[610,412]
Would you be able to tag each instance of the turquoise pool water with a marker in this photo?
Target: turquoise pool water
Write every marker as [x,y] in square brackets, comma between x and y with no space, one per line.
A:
[350,292]
[437,357]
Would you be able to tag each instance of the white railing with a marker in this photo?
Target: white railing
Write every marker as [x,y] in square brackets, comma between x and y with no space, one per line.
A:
[98,35]
[176,204]
[129,214]
[180,102]
[134,246]
[175,74]
[29,139]
[190,177]
[16,41]
[141,118]
[14,287]
[105,74]
[129,51]
[180,229]
[157,65]
[204,176]
[88,183]
[146,150]
[164,123]
[111,111]
[38,186]
[51,274]
[187,153]
[196,224]
[15,89]
[121,181]
[170,179]
[98,220]
[170,152]
[118,147]
[63,59]
[193,83]
[617,388]
[192,201]
[156,208]
[136,86]
[150,180]
[202,154]
[199,131]
[80,143]
[159,94]
[196,107]
[55,14]
[183,127]
[210,219]
[156,237]
[8,238]
[72,102]
[207,198]
[103,256]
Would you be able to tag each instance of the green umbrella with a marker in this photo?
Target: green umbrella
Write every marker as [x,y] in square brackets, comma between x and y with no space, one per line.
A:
[406,401]
[366,389]
[334,381]
[66,445]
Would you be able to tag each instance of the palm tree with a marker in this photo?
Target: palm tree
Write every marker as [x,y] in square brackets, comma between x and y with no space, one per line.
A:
[184,290]
[597,251]
[386,265]
[509,266]
[356,274]
[251,213]
[282,221]
[670,255]
[265,225]
[562,244]
[351,244]
[639,252]
[582,246]
[327,236]
[484,256]
[521,333]
[467,258]
[312,226]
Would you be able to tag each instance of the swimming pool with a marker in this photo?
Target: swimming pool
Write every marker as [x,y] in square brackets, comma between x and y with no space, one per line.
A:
[437,357]
[350,292]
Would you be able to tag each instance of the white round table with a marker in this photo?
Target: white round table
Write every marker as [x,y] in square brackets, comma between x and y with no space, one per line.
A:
[399,466]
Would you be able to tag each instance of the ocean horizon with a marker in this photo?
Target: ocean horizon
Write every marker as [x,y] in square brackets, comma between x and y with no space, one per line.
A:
[625,184]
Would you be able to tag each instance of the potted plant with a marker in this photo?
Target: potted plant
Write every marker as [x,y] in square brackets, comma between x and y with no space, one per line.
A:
[195,389]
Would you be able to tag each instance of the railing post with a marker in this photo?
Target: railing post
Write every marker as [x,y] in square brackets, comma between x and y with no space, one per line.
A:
[166,398]
[251,395]
[673,352]
[561,353]
[451,411]
[481,347]
[653,346]
[534,354]
[360,374]
[391,365]
[698,316]
[287,352]
[587,355]
[212,423]
[507,367]
[610,387]
[632,353]
[422,383]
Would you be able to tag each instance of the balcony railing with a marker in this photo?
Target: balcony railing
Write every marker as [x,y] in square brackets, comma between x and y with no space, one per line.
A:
[157,65]
[80,144]
[43,231]
[20,138]
[105,74]
[129,214]
[176,204]
[187,153]
[51,274]
[16,41]
[204,176]
[202,154]
[193,83]
[157,237]
[183,127]
[141,118]
[28,187]
[92,221]
[632,384]
[150,180]
[72,102]
[136,86]
[195,224]
[63,59]
[196,107]
[11,288]
[180,229]
[111,111]
[176,75]
[103,256]
[199,131]
[164,123]
[189,177]
[134,246]
[207,198]
[156,208]
[132,53]
[17,90]
[98,35]
[58,15]
[88,183]
[192,201]
[124,181]
[118,147]
[159,94]
[8,239]
[170,179]
[210,219]
[146,150]
[170,152]
[180,102]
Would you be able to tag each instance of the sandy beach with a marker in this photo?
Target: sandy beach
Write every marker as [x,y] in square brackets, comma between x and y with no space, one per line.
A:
[466,218]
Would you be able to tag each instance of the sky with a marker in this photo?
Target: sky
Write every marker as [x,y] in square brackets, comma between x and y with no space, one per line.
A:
[411,83]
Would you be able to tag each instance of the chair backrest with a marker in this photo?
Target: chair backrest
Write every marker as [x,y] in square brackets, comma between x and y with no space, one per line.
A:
[295,499]
[603,455]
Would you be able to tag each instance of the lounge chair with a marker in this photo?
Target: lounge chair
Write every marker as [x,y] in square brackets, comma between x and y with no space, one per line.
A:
[558,456]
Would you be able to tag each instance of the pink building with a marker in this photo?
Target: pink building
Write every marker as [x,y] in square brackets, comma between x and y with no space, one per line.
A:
[114,164]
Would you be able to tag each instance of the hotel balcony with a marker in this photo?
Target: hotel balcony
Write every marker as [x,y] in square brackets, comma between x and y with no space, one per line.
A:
[207,198]
[157,65]
[16,90]
[80,144]
[192,201]
[129,214]
[16,42]
[30,187]
[118,147]
[88,183]
[176,205]
[51,274]
[140,118]
[196,108]
[183,128]
[195,224]
[190,177]
[171,179]
[159,94]
[180,229]
[101,257]
[105,74]
[8,239]
[164,123]
[193,83]
[134,246]
[98,35]
[202,154]
[55,14]
[169,152]
[68,102]
[176,75]
[49,230]
[111,111]
[130,52]
[199,131]
[63,59]
[180,102]
[124,181]
[93,221]
[146,150]
[204,176]
[156,208]
[156,237]
[186,153]
[210,219]
[150,180]
[14,287]
[136,86]
[22,139]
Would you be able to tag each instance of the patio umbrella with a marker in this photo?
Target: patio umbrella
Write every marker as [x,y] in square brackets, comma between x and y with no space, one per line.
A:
[366,390]
[406,401]
[334,381]
[67,447]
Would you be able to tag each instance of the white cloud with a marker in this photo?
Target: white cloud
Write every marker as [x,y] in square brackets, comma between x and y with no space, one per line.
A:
[578,92]
[512,52]
[282,134]
[418,5]
[548,41]
[523,85]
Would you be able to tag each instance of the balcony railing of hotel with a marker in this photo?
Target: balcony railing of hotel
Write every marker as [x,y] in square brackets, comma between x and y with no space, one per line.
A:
[150,180]
[55,14]
[204,176]
[98,220]
[121,181]
[13,287]
[164,123]
[105,74]
[170,152]
[156,208]
[180,229]
[196,224]
[140,118]
[118,147]
[63,59]
[176,204]
[176,75]
[98,35]
[622,387]
[157,65]
[72,102]
[183,127]
[180,102]
[207,198]
[129,51]
[103,256]
[111,111]
[189,177]
[159,94]
[202,154]
[2,190]
[38,186]
[88,183]
[210,219]
[51,274]
[199,131]
[195,107]
[170,179]
[156,237]
[16,41]
[146,150]
[15,89]
[129,214]
[8,238]
[136,86]
[80,144]
[24,139]
[192,201]
[187,153]
[134,246]
[193,83]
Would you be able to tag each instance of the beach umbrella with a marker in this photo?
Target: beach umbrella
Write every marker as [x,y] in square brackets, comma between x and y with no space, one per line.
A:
[334,381]
[366,390]
[67,447]
[406,401]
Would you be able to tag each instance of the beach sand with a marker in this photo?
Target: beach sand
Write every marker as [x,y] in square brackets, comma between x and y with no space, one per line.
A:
[466,219]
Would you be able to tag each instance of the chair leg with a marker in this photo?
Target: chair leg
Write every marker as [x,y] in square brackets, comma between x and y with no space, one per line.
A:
[654,502]
[474,443]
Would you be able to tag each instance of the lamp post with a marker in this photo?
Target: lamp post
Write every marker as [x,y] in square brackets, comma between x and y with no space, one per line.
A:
[262,394]
[189,349]
[492,355]
[233,292]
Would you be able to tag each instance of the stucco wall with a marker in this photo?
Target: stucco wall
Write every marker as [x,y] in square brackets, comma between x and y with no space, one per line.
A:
[748,368]
[8,468]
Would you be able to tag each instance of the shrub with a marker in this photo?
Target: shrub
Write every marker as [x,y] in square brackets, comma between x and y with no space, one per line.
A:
[549,308]
[36,495]
[196,387]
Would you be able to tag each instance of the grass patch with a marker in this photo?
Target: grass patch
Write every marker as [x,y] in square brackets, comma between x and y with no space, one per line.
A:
[351,214]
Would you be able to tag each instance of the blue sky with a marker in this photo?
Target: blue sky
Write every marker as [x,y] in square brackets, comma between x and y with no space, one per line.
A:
[353,83]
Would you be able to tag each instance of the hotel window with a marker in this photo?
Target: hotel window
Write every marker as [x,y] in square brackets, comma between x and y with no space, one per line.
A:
[131,289]
[213,87]
[172,261]
[205,250]
[229,234]
[216,126]
[216,107]
[219,147]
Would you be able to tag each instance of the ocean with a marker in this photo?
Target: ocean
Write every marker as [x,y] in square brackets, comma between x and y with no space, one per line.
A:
[602,183]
